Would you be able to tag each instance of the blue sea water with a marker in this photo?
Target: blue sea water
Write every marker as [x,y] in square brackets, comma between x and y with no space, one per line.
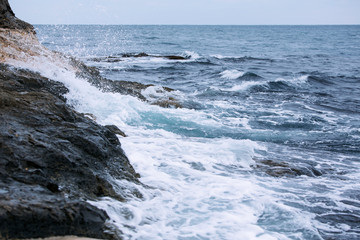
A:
[267,144]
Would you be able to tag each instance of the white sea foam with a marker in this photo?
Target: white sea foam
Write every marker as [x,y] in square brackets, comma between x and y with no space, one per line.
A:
[196,189]
[296,81]
[191,55]
[192,196]
[231,74]
[219,56]
[157,93]
[243,86]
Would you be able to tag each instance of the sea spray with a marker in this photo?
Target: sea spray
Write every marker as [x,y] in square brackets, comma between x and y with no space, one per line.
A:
[267,155]
[175,165]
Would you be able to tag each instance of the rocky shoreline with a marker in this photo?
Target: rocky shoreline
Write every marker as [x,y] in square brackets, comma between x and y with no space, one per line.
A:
[52,158]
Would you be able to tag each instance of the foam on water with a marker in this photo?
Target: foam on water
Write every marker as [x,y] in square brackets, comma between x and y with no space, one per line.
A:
[296,81]
[191,55]
[244,86]
[193,197]
[203,185]
[231,74]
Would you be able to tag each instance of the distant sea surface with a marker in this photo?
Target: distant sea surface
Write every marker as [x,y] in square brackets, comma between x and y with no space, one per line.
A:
[266,144]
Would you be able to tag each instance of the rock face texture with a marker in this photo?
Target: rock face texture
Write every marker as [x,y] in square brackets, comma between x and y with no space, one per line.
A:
[8,19]
[52,158]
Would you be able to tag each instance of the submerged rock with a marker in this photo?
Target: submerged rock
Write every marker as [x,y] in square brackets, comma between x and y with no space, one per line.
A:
[283,169]
[139,55]
[112,59]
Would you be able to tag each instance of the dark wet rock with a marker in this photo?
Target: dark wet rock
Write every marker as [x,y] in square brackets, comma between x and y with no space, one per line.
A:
[167,103]
[173,57]
[116,130]
[127,55]
[112,59]
[284,169]
[30,211]
[52,159]
[109,59]
[92,75]
[139,55]
[8,19]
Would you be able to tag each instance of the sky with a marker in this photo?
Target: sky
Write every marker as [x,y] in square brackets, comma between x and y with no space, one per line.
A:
[218,12]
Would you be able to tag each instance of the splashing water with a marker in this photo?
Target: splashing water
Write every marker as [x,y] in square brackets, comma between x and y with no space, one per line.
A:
[269,152]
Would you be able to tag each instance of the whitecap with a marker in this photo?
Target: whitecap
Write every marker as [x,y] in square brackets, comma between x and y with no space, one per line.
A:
[231,74]
[296,81]
[244,86]
[191,55]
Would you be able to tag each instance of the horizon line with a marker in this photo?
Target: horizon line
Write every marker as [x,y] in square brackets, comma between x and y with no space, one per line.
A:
[161,24]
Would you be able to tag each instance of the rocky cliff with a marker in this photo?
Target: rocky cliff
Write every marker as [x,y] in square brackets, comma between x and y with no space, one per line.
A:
[8,19]
[52,158]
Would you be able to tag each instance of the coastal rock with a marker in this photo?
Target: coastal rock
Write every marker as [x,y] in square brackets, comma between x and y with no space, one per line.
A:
[92,75]
[116,130]
[284,169]
[30,211]
[8,19]
[139,55]
[52,159]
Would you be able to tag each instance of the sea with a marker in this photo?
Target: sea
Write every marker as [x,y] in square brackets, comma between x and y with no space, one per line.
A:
[265,145]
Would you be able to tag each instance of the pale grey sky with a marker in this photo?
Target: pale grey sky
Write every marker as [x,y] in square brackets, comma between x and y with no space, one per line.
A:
[238,12]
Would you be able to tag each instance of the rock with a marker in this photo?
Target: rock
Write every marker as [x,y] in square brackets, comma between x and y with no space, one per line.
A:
[139,55]
[112,59]
[124,87]
[167,103]
[283,169]
[171,57]
[135,55]
[30,211]
[116,130]
[65,238]
[52,159]
[8,19]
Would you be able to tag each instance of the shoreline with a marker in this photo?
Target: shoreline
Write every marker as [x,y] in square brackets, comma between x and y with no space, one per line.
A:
[53,158]
[61,238]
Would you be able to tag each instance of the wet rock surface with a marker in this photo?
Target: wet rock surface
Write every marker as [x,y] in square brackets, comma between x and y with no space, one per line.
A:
[92,75]
[121,57]
[51,160]
[283,169]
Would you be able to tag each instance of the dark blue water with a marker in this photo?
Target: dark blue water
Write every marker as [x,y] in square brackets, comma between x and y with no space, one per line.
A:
[290,95]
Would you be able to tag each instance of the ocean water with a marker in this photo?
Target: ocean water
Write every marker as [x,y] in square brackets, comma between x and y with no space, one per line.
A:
[266,146]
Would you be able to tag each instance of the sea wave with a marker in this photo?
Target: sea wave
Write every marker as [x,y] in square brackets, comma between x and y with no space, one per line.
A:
[241,58]
[231,74]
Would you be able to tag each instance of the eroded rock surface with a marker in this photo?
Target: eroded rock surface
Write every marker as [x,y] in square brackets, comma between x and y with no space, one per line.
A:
[51,160]
[8,19]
